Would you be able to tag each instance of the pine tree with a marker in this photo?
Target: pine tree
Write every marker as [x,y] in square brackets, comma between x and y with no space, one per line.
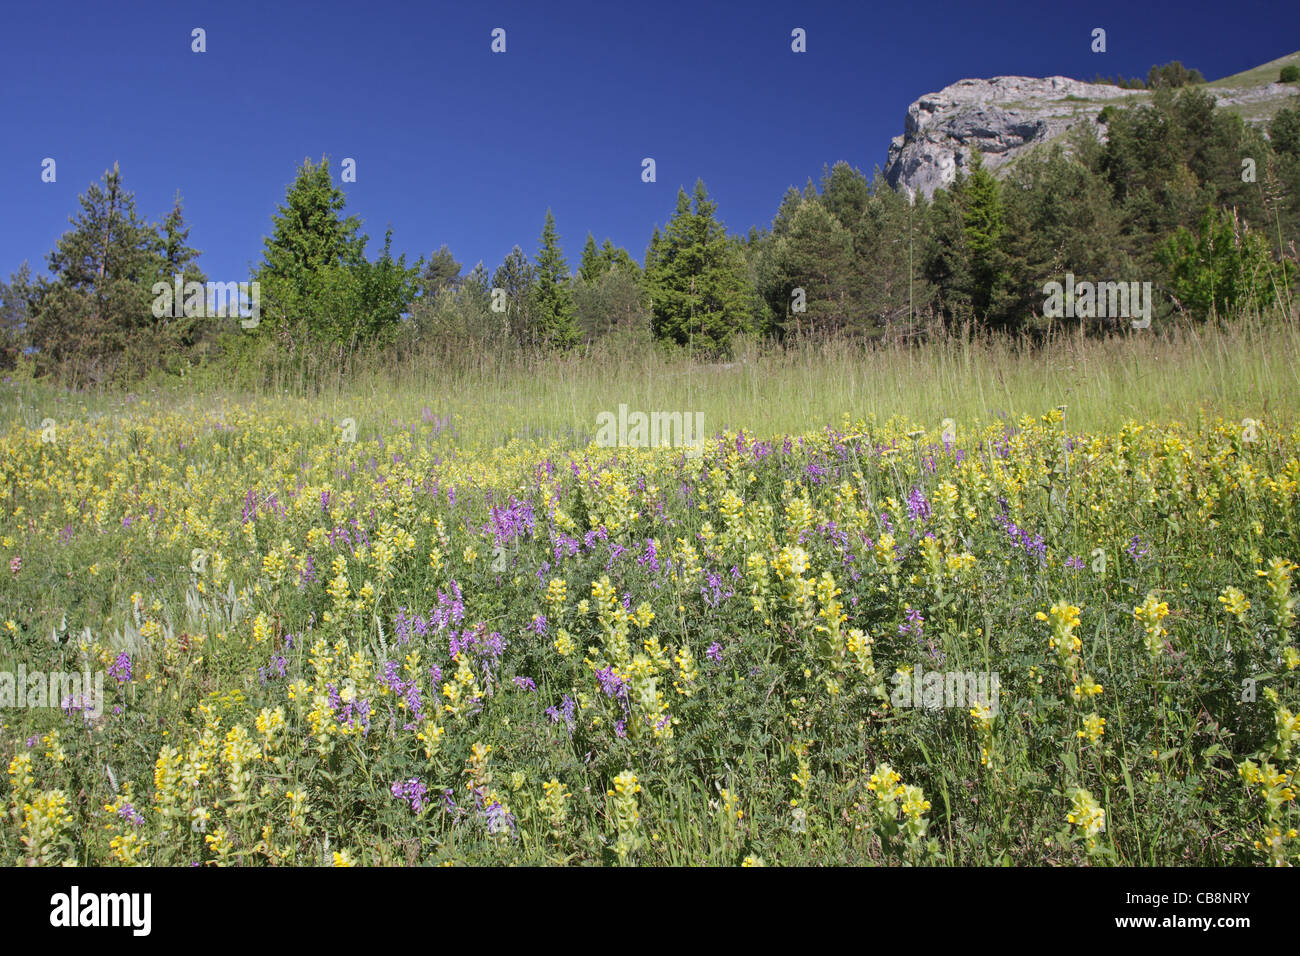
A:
[1172,75]
[887,253]
[551,292]
[652,251]
[945,259]
[97,303]
[477,285]
[616,257]
[1284,139]
[441,272]
[983,223]
[316,275]
[591,267]
[308,254]
[698,285]
[815,256]
[790,202]
[844,193]
[1223,267]
[179,259]
[15,306]
[515,278]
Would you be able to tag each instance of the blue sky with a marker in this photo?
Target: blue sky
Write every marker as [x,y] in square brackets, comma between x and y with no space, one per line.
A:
[457,145]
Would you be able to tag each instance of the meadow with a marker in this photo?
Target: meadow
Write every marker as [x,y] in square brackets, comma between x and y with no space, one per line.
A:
[413,615]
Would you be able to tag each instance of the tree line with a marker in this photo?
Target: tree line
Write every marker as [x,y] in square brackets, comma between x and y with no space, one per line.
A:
[1174,191]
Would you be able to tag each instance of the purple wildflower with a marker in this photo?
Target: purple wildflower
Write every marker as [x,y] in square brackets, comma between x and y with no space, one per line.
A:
[412,791]
[918,508]
[121,668]
[914,623]
[565,711]
[611,683]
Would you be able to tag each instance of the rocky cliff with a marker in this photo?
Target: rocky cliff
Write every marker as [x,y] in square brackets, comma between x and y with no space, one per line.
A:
[1007,115]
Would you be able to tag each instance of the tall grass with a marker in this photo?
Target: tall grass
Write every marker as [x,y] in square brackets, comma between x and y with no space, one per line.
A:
[1250,368]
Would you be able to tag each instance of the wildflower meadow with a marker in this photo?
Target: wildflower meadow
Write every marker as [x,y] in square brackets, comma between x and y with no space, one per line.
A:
[384,626]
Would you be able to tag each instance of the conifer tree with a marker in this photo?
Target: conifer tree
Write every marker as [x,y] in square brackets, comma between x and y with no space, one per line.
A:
[309,232]
[809,276]
[652,251]
[616,257]
[179,259]
[515,278]
[698,284]
[315,273]
[98,299]
[983,223]
[441,272]
[591,265]
[551,293]
[310,247]
[844,193]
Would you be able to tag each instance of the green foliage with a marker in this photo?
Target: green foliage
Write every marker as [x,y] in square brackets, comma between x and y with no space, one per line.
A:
[589,267]
[815,256]
[615,301]
[1284,132]
[1132,83]
[609,293]
[698,282]
[869,261]
[1061,219]
[616,257]
[945,260]
[887,241]
[1146,163]
[1223,267]
[844,193]
[516,278]
[316,282]
[92,320]
[1284,137]
[460,320]
[308,233]
[965,252]
[15,303]
[552,296]
[441,272]
[1172,75]
[983,224]
[1289,74]
[385,289]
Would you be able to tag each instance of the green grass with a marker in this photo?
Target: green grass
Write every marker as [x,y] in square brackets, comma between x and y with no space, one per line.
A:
[1247,370]
[1258,76]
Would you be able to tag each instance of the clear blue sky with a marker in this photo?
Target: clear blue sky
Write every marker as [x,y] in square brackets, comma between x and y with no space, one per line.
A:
[457,145]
